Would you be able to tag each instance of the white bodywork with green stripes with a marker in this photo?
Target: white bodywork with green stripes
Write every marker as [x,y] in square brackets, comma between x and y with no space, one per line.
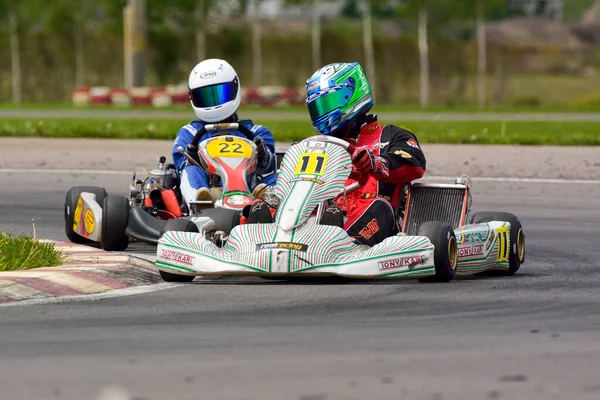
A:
[311,172]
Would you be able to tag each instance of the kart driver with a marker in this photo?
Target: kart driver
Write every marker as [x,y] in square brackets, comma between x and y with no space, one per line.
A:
[215,96]
[386,158]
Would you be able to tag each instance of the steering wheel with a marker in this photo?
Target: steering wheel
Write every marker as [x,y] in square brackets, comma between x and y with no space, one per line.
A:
[221,130]
[349,147]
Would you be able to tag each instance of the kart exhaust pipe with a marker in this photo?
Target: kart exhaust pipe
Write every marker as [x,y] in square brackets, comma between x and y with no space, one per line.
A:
[171,204]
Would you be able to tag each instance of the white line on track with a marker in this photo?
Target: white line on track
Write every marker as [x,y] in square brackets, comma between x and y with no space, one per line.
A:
[428,177]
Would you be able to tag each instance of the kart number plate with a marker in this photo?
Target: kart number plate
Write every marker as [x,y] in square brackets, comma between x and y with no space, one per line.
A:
[311,164]
[229,147]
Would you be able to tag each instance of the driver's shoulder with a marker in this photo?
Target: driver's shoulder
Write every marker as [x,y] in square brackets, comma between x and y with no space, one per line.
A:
[192,127]
[248,123]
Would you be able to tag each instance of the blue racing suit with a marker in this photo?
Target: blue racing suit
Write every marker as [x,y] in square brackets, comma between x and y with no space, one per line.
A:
[193,178]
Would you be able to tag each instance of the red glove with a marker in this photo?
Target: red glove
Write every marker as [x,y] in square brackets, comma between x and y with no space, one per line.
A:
[367,162]
[364,160]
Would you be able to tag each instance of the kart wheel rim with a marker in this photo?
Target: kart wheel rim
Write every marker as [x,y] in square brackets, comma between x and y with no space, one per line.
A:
[452,252]
[520,244]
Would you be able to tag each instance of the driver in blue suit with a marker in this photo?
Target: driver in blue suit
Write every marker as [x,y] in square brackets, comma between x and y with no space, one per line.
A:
[215,95]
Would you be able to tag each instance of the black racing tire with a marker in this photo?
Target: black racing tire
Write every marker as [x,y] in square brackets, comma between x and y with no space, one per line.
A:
[115,217]
[445,251]
[516,255]
[71,204]
[178,225]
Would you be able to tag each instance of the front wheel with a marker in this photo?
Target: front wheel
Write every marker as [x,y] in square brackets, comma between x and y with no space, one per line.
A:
[115,217]
[71,200]
[445,252]
[516,255]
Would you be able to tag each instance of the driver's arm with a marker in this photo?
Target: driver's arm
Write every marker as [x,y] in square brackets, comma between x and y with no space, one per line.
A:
[184,137]
[265,134]
[406,161]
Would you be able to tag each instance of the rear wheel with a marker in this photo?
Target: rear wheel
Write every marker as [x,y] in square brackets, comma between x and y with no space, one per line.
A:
[516,255]
[445,251]
[178,225]
[71,200]
[115,216]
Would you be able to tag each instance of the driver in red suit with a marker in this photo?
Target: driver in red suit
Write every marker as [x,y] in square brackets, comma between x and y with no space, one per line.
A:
[386,158]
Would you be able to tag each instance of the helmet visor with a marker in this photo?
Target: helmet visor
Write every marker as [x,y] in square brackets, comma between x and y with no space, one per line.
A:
[214,95]
[325,101]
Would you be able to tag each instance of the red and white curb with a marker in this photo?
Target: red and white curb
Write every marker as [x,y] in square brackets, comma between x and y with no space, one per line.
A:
[86,270]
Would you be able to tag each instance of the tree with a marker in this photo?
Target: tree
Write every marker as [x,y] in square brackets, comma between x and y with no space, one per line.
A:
[365,7]
[316,11]
[19,16]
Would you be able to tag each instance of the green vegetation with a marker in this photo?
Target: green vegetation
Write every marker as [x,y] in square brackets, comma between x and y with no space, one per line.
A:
[575,9]
[483,132]
[23,252]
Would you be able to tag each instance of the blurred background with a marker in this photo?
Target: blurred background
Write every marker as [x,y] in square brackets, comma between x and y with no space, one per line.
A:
[485,53]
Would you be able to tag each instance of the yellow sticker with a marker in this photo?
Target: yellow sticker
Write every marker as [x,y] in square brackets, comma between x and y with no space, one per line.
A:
[311,164]
[89,222]
[77,215]
[229,147]
[503,244]
[402,153]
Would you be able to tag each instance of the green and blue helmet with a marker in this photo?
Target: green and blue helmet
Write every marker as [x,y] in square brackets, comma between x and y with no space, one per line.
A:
[335,95]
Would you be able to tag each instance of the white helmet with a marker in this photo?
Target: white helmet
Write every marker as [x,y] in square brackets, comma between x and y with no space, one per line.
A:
[214,89]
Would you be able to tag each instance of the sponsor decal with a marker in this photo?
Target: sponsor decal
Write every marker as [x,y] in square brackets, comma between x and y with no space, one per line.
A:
[412,143]
[208,74]
[371,128]
[470,250]
[394,263]
[471,237]
[177,256]
[402,154]
[312,85]
[412,262]
[313,180]
[89,222]
[77,214]
[490,240]
[389,264]
[238,200]
[368,231]
[313,147]
[322,93]
[380,145]
[281,245]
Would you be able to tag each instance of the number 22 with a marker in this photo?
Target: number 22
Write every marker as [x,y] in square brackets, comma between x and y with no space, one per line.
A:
[237,148]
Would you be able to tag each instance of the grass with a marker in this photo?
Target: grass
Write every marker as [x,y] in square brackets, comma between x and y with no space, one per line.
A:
[474,132]
[23,252]
[575,106]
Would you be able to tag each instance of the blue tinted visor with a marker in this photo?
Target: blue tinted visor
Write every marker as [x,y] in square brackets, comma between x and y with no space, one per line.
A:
[325,101]
[214,95]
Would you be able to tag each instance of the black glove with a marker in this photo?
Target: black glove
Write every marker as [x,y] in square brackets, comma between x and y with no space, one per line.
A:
[261,151]
[192,151]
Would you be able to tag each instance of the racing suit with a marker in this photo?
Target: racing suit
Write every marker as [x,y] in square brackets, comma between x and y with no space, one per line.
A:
[397,159]
[193,177]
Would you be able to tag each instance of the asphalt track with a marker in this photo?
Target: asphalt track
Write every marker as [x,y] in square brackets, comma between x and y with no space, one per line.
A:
[535,335]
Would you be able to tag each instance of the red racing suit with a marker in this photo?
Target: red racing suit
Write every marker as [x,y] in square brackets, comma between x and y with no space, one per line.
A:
[370,209]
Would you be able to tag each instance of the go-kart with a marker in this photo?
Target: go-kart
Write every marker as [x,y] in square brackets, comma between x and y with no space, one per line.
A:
[155,205]
[435,242]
